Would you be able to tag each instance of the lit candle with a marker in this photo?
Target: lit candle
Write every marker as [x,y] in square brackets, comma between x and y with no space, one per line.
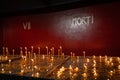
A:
[47,50]
[31,49]
[88,60]
[75,75]
[94,57]
[111,73]
[95,74]
[9,61]
[3,51]
[70,67]
[107,63]
[76,69]
[94,64]
[58,53]
[77,59]
[51,64]
[70,73]
[59,74]
[84,54]
[0,58]
[100,58]
[119,67]
[10,72]
[25,60]
[60,49]
[29,57]
[52,58]
[71,55]
[94,61]
[105,58]
[110,59]
[94,70]
[3,70]
[84,75]
[53,51]
[62,55]
[35,67]
[25,48]
[39,51]
[22,72]
[43,56]
[29,54]
[111,64]
[49,54]
[26,53]
[13,52]
[118,59]
[33,75]
[6,57]
[34,55]
[32,60]
[85,67]
[7,53]
[62,69]
[37,74]
[20,48]
[21,52]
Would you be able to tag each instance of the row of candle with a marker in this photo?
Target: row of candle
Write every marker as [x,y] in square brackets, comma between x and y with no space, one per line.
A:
[32,56]
[84,74]
[108,61]
[74,70]
[6,51]
[94,71]
[50,55]
[3,58]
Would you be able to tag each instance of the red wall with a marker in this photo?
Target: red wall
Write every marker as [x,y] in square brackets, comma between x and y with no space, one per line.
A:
[54,29]
[1,36]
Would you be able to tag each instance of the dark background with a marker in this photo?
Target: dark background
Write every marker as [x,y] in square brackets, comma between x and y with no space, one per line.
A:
[25,7]
[51,27]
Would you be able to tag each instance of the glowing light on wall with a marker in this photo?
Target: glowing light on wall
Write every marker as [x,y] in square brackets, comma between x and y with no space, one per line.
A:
[75,28]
